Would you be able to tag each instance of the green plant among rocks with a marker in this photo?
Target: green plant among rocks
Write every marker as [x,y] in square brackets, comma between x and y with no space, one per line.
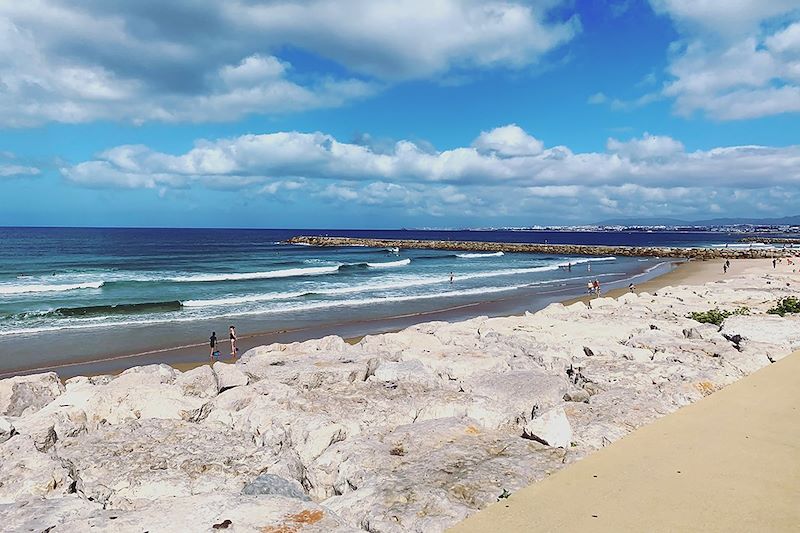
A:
[790,304]
[716,316]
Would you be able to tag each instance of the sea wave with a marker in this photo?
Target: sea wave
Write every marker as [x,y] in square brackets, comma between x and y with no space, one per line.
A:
[390,264]
[44,287]
[118,309]
[475,256]
[99,322]
[269,274]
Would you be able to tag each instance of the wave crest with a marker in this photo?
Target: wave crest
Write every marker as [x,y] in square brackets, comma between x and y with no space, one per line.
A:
[60,287]
[475,256]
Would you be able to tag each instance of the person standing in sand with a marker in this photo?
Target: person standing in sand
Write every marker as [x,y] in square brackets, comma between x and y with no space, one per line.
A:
[212,341]
[232,334]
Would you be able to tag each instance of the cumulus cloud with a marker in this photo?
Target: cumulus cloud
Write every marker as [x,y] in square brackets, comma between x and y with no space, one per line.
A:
[734,60]
[505,172]
[508,141]
[209,61]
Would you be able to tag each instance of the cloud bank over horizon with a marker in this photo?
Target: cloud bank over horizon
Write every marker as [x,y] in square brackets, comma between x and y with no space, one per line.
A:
[505,166]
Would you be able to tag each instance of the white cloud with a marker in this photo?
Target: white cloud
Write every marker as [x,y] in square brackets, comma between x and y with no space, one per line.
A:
[10,168]
[412,38]
[726,18]
[648,147]
[642,176]
[735,60]
[217,61]
[508,141]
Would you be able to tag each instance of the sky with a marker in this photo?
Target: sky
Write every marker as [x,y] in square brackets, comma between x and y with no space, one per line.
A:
[411,113]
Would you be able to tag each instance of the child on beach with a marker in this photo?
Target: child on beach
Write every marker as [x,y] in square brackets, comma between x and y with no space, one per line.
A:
[213,342]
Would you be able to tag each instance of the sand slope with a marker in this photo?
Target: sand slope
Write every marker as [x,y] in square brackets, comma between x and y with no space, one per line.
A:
[730,462]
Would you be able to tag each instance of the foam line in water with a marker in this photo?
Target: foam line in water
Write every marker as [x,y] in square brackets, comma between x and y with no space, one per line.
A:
[390,264]
[236,276]
[44,287]
[476,256]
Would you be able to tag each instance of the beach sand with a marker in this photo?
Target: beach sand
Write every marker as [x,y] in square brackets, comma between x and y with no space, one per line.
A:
[730,462]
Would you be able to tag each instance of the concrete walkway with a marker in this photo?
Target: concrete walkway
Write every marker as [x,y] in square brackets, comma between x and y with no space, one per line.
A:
[730,462]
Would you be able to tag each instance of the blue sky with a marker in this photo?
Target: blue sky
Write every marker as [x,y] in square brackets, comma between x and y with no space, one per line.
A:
[376,114]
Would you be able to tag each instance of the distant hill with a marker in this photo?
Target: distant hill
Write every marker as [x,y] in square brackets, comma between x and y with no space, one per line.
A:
[655,221]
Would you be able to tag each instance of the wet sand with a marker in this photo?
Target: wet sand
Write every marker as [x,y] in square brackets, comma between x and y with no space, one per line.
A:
[730,462]
[192,355]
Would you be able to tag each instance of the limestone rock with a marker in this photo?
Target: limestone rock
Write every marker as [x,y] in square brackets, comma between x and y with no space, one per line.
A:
[201,382]
[22,395]
[216,511]
[551,428]
[7,429]
[229,376]
[267,484]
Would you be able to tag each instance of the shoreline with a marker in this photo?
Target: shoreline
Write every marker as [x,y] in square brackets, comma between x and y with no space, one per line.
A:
[185,358]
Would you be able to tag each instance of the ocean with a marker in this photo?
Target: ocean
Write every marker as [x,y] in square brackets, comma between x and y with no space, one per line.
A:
[76,294]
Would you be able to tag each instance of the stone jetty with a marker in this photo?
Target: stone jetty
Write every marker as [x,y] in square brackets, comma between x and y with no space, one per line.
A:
[771,240]
[560,249]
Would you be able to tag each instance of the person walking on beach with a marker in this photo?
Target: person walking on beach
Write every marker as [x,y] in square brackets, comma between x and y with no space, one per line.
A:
[632,287]
[589,288]
[232,334]
[212,341]
[774,263]
[597,287]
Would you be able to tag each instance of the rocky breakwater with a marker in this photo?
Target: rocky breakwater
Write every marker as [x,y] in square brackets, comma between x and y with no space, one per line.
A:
[561,249]
[407,431]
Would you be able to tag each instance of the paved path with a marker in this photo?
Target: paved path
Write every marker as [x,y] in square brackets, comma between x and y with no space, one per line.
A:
[730,462]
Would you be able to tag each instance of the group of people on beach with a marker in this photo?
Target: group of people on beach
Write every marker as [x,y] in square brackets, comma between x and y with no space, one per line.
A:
[213,342]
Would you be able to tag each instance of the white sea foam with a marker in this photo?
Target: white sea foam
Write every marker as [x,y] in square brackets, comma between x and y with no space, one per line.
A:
[237,300]
[475,256]
[236,276]
[390,264]
[104,322]
[44,287]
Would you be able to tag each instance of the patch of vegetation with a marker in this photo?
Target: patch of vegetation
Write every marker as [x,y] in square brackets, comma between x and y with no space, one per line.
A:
[790,304]
[716,316]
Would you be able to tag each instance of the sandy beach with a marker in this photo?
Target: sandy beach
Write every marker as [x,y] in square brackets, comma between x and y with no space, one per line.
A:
[413,430]
[730,462]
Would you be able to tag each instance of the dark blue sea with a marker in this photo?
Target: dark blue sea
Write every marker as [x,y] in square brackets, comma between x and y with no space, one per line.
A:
[82,293]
